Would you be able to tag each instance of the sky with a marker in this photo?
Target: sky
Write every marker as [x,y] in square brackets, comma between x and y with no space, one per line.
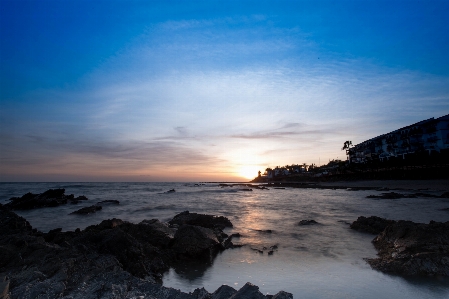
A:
[209,90]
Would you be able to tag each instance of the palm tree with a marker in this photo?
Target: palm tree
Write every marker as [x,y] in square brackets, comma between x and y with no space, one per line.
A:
[346,146]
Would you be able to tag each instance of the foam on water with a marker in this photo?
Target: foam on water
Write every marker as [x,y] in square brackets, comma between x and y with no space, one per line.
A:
[324,260]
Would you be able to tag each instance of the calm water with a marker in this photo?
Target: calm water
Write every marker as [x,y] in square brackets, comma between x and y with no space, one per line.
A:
[318,261]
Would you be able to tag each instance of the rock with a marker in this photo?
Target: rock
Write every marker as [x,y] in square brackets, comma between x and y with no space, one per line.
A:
[201,294]
[307,222]
[195,241]
[373,225]
[50,198]
[248,291]
[87,210]
[4,287]
[223,292]
[409,248]
[202,220]
[283,295]
[112,201]
[113,259]
[265,231]
[390,195]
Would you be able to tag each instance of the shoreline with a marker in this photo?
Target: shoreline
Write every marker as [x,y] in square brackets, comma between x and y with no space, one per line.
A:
[440,185]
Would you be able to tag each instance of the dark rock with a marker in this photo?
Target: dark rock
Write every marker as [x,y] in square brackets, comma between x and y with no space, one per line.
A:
[265,231]
[283,295]
[248,291]
[201,294]
[223,292]
[81,197]
[195,241]
[409,248]
[114,259]
[307,222]
[113,201]
[202,220]
[87,210]
[50,198]
[390,195]
[373,225]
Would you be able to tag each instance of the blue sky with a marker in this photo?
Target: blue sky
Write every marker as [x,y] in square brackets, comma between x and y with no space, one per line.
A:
[209,90]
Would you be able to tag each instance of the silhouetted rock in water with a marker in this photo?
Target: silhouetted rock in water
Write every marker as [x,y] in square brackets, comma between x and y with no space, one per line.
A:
[87,210]
[373,224]
[171,191]
[409,248]
[391,195]
[50,198]
[265,231]
[113,259]
[307,222]
[394,195]
[109,201]
[208,221]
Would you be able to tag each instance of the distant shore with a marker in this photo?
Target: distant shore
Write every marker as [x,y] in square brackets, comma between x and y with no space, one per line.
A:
[412,185]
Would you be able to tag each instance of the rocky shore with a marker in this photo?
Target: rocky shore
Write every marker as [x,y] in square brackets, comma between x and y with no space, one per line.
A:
[408,248]
[113,259]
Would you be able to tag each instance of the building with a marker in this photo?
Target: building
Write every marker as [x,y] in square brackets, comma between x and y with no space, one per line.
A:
[430,135]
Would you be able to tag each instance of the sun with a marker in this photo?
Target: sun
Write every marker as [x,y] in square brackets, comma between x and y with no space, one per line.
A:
[248,172]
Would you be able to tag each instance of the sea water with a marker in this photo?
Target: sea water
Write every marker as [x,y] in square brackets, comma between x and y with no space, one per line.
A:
[324,260]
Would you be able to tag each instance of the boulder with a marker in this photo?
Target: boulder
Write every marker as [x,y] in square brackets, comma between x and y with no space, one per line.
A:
[87,210]
[208,221]
[409,248]
[307,222]
[373,224]
[248,291]
[223,292]
[195,241]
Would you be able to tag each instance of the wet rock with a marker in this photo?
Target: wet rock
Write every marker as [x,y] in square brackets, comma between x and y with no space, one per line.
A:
[113,259]
[201,294]
[248,291]
[195,241]
[208,221]
[283,295]
[87,210]
[307,222]
[50,198]
[373,224]
[391,195]
[265,231]
[223,292]
[409,248]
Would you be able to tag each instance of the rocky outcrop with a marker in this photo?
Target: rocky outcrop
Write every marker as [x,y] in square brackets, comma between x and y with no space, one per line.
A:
[87,210]
[202,220]
[408,248]
[113,259]
[307,222]
[373,224]
[50,198]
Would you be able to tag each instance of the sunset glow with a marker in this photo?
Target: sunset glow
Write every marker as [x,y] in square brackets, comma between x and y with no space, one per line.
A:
[180,92]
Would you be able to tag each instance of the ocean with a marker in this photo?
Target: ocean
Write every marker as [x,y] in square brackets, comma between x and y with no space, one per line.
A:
[324,260]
